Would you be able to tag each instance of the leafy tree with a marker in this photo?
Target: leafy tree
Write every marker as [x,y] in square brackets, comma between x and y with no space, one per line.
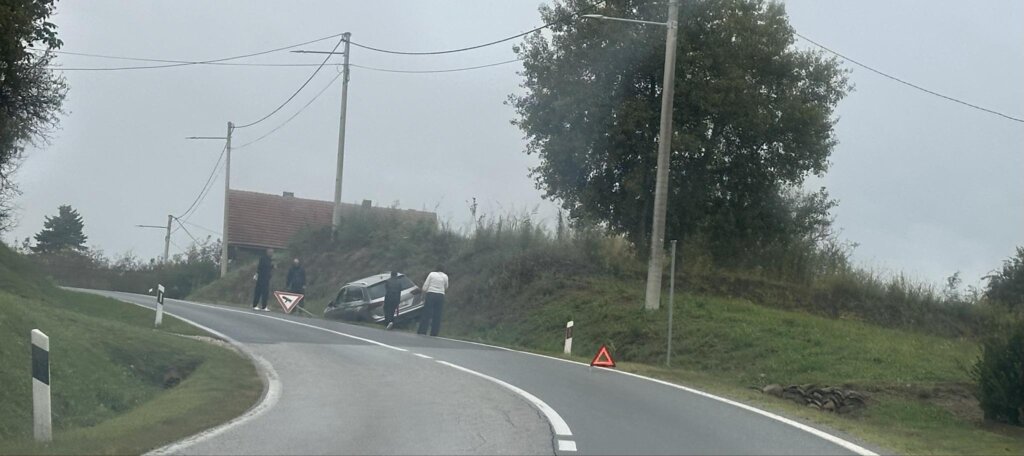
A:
[61,233]
[1006,285]
[31,94]
[753,118]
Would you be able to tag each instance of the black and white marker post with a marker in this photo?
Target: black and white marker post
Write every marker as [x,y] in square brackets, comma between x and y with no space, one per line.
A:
[568,338]
[41,422]
[159,305]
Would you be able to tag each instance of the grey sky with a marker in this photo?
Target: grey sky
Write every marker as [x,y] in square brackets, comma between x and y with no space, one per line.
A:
[925,186]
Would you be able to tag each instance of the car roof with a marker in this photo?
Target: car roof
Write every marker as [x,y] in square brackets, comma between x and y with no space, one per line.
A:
[372,280]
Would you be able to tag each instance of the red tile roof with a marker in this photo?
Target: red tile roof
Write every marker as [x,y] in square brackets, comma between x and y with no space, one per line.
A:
[265,220]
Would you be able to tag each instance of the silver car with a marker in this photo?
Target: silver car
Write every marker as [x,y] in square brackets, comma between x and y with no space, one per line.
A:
[363,299]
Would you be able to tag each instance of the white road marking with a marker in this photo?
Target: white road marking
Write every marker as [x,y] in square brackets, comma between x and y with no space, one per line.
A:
[422,356]
[566,445]
[803,427]
[557,423]
[269,399]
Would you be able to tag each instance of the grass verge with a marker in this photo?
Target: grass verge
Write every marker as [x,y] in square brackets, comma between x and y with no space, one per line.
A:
[118,385]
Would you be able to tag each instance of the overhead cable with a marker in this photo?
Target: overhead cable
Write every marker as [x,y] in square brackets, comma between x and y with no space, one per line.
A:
[304,84]
[329,84]
[907,83]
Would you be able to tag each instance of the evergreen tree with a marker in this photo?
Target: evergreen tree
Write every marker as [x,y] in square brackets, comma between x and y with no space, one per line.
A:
[62,232]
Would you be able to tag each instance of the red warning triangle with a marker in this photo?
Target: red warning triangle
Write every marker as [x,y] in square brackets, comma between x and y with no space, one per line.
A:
[603,358]
[288,301]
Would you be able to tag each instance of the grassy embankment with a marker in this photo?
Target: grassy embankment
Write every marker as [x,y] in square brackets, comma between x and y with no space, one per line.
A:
[514,285]
[118,385]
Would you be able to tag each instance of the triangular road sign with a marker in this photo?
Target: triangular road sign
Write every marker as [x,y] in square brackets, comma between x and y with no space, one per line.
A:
[288,301]
[603,358]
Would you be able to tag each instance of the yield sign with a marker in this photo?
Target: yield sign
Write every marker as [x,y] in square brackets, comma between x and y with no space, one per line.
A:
[603,358]
[288,301]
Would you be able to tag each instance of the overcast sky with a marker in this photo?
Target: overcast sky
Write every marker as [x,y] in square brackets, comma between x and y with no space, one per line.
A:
[925,186]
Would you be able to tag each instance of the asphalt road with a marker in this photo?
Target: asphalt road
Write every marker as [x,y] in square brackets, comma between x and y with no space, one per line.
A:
[346,389]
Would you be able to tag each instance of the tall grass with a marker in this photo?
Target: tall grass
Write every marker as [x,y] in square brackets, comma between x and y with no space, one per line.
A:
[513,260]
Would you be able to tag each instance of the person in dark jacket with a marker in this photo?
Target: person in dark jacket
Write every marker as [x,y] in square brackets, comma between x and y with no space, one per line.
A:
[296,280]
[263,271]
[392,296]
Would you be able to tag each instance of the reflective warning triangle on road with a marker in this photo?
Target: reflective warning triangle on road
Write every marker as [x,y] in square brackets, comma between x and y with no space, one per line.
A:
[288,301]
[603,358]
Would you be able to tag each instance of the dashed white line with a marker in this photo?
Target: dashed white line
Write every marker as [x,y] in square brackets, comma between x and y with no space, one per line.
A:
[557,423]
[423,356]
[566,445]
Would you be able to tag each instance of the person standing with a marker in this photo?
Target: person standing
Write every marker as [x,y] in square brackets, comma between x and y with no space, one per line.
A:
[295,282]
[263,272]
[392,296]
[435,287]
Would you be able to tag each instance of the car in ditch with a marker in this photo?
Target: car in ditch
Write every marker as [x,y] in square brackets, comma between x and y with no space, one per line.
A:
[363,299]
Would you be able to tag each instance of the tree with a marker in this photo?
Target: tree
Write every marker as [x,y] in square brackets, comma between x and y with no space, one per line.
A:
[61,233]
[31,95]
[753,118]
[1006,286]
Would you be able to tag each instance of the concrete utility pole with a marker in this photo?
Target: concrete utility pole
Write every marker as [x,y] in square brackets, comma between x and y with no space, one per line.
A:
[167,239]
[652,300]
[227,189]
[655,266]
[336,217]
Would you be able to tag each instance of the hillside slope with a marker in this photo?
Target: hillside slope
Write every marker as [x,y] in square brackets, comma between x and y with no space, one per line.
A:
[118,386]
[517,287]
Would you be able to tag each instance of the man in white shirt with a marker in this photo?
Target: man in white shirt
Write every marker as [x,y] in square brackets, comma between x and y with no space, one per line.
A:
[435,286]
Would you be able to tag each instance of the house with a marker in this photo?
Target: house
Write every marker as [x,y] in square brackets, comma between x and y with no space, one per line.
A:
[258,221]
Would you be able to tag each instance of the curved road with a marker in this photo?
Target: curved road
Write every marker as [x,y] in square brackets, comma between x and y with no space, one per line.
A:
[347,389]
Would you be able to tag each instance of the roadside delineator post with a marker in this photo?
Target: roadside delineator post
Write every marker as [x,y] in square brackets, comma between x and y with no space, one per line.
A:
[568,338]
[42,425]
[159,305]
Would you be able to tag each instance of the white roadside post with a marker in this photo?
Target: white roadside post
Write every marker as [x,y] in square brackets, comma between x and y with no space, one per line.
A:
[42,426]
[568,338]
[159,305]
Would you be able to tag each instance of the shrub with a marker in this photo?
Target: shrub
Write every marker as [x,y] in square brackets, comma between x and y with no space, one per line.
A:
[999,372]
[1006,286]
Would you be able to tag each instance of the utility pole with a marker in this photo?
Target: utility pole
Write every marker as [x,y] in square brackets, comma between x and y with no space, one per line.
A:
[336,217]
[654,268]
[167,239]
[227,189]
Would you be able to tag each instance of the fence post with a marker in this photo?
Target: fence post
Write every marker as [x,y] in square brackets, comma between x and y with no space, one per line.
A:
[42,425]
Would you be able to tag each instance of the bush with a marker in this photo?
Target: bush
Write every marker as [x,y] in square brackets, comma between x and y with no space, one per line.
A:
[1006,286]
[1000,374]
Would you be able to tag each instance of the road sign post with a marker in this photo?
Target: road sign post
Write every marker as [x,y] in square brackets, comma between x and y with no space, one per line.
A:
[671,303]
[42,425]
[159,305]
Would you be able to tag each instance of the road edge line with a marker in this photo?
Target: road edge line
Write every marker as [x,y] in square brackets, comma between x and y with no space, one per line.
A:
[271,392]
[790,422]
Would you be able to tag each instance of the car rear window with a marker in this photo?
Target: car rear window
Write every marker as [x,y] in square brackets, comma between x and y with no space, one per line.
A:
[376,290]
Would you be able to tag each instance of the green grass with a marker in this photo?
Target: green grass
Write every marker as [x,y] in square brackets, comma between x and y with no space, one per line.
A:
[108,368]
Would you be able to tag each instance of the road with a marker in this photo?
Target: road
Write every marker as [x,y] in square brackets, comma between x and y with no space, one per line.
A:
[339,388]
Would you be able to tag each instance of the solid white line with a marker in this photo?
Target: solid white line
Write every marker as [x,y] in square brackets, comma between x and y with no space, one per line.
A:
[803,427]
[422,356]
[320,328]
[557,423]
[566,445]
[271,394]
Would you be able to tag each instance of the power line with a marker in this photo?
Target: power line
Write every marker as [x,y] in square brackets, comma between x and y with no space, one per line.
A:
[907,83]
[304,84]
[182,225]
[478,46]
[329,84]
[201,227]
[450,70]
[206,186]
[265,65]
[177,63]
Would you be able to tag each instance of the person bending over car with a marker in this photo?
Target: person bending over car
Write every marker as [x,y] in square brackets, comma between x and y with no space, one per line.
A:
[435,286]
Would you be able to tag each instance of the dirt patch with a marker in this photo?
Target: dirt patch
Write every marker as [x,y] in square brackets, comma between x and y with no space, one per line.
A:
[956,398]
